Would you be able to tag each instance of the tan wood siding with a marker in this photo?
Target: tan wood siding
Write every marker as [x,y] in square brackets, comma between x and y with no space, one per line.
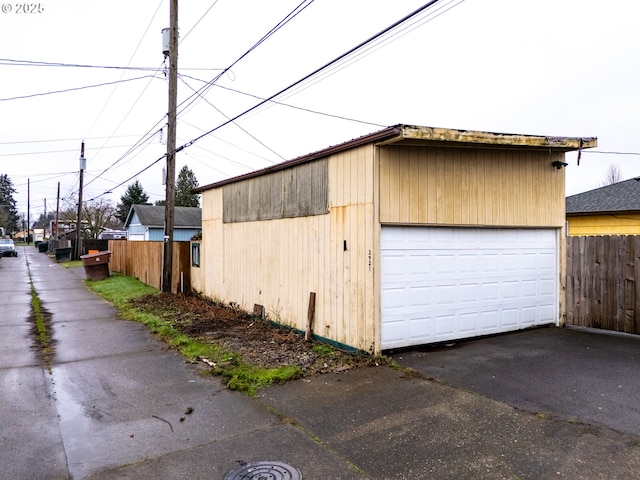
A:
[460,186]
[277,262]
[622,223]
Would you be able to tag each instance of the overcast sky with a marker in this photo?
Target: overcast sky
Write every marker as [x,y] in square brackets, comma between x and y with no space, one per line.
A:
[549,67]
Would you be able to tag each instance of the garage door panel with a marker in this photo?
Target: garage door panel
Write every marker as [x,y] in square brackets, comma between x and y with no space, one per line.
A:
[458,283]
[489,320]
[394,265]
[468,322]
[445,294]
[508,317]
[444,325]
[420,297]
[528,315]
[468,293]
[394,299]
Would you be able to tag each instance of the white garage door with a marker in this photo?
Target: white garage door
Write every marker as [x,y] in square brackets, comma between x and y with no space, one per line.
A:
[441,284]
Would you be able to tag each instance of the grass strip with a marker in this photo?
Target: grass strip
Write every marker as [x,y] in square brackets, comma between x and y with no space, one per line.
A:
[71,264]
[119,290]
[41,329]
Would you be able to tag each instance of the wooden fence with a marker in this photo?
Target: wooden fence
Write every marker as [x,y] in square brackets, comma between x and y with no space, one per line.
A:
[603,282]
[143,260]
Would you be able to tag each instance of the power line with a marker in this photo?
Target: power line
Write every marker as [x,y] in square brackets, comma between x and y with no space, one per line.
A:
[315,72]
[135,146]
[131,177]
[52,140]
[136,101]
[54,92]
[236,124]
[309,110]
[195,97]
[198,22]
[297,83]
[611,153]
[389,35]
[31,63]
[328,65]
[290,16]
[113,91]
[234,146]
[47,152]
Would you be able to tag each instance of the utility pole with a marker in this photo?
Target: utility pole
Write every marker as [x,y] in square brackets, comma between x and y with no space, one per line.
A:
[83,165]
[28,207]
[57,237]
[45,219]
[170,184]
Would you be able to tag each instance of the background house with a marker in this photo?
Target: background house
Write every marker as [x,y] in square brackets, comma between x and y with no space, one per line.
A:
[146,222]
[610,210]
[409,235]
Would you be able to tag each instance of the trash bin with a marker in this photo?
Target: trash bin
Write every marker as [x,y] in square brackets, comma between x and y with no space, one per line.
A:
[96,265]
[63,254]
[43,247]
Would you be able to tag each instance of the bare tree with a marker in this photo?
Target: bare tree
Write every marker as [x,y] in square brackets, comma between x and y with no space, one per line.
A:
[614,175]
[97,215]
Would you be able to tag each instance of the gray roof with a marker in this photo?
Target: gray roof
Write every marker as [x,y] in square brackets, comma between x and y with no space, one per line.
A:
[618,197]
[153,216]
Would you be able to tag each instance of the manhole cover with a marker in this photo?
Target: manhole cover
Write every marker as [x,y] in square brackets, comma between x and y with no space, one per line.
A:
[264,471]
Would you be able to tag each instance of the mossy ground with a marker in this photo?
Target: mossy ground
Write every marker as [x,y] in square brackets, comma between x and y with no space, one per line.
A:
[249,353]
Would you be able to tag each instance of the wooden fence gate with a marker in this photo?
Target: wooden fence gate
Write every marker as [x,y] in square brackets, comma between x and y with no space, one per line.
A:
[602,286]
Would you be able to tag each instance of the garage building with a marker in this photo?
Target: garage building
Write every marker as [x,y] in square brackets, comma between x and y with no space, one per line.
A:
[410,235]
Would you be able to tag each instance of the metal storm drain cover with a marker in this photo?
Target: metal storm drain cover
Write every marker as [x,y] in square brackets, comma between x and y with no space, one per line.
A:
[265,470]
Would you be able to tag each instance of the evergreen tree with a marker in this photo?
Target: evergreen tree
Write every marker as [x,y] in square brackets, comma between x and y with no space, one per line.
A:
[44,221]
[185,183]
[9,218]
[134,195]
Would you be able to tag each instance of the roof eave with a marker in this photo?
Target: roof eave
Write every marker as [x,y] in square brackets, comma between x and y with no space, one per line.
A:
[406,134]
[478,138]
[593,213]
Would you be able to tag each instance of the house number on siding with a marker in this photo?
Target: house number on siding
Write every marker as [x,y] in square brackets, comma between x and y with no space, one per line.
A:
[370,260]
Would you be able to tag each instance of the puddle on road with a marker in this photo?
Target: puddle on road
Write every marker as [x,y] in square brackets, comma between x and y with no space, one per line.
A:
[76,425]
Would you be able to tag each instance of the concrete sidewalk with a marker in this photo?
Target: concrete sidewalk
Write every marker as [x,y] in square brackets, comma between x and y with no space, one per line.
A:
[110,402]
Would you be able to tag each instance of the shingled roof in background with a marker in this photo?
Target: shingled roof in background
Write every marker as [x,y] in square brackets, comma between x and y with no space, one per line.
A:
[618,197]
[153,216]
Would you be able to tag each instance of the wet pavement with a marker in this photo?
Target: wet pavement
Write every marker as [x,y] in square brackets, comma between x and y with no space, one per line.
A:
[108,403]
[584,375]
[113,396]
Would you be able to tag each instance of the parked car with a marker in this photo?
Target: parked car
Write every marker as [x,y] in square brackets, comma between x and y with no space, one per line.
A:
[7,248]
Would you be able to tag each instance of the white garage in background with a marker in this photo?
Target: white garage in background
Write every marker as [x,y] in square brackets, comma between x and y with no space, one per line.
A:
[441,283]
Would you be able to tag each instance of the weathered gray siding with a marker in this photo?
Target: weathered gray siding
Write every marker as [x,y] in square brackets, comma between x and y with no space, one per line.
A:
[299,191]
